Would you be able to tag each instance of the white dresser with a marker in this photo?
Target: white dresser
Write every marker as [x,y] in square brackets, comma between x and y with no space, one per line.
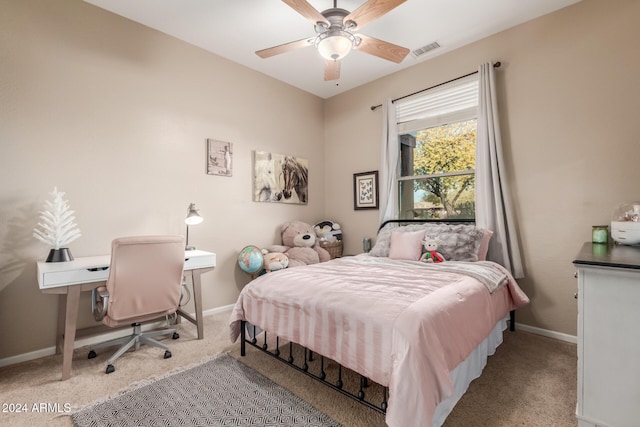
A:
[608,335]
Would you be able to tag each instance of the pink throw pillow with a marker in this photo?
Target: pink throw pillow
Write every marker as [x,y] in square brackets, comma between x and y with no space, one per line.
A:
[406,245]
[484,245]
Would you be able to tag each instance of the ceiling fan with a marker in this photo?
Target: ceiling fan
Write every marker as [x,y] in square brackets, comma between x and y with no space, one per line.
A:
[336,34]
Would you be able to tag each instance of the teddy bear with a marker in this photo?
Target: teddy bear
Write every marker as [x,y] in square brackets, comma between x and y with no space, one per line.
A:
[431,251]
[274,261]
[300,245]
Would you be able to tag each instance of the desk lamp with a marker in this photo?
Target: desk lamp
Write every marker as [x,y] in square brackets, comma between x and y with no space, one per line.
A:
[193,218]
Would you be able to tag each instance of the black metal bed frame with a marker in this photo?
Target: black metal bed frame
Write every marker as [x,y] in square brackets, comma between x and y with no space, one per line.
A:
[304,367]
[427,220]
[308,354]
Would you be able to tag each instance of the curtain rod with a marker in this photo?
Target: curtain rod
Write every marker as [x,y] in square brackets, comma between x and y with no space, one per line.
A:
[373,107]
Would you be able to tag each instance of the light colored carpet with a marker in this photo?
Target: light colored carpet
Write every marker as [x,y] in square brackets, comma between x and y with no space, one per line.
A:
[530,381]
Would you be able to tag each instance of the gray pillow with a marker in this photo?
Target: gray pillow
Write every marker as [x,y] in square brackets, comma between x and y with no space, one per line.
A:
[458,242]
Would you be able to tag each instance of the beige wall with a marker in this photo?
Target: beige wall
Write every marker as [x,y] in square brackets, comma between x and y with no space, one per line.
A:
[569,99]
[116,115]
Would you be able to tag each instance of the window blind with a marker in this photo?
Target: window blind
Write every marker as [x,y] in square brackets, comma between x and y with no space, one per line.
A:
[455,101]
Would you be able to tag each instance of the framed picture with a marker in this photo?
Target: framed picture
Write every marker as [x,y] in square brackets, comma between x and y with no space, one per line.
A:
[219,157]
[279,178]
[365,190]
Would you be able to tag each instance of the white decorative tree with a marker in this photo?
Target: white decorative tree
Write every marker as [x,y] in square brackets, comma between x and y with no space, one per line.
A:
[57,228]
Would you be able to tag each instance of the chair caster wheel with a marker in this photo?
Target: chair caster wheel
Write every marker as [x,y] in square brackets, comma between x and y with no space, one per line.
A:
[91,354]
[175,336]
[167,354]
[110,369]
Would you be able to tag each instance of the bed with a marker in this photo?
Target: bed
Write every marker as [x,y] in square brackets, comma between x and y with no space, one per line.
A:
[422,331]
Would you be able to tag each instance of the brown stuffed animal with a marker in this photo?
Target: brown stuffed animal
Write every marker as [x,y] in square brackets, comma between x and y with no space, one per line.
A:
[299,243]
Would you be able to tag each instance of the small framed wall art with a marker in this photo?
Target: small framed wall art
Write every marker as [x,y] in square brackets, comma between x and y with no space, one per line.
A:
[365,190]
[219,157]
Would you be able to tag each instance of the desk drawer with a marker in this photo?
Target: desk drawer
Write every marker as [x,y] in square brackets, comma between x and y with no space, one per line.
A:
[199,261]
[96,269]
[53,279]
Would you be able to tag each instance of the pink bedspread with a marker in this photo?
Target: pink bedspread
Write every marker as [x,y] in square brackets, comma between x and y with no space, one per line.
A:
[396,322]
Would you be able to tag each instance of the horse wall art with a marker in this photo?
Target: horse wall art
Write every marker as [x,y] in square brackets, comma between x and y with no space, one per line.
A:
[296,179]
[279,178]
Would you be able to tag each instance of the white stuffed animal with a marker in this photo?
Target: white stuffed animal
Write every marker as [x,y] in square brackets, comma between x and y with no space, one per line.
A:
[328,231]
[431,251]
[274,261]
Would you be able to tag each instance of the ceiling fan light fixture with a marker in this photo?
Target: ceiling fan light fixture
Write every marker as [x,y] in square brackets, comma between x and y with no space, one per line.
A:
[334,45]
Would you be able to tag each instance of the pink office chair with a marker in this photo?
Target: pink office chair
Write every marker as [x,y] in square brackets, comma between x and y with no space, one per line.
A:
[145,277]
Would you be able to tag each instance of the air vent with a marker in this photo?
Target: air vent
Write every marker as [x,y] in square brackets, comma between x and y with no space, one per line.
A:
[424,49]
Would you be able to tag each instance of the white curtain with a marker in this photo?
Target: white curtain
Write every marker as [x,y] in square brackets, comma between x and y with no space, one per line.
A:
[389,159]
[494,209]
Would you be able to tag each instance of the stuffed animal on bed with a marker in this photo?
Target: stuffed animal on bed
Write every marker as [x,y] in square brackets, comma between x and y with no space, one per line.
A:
[300,245]
[431,253]
[274,261]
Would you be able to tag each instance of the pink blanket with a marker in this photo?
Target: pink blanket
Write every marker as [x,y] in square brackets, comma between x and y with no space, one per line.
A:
[396,322]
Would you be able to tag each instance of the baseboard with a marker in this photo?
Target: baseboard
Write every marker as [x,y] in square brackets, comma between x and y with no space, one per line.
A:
[218,310]
[97,339]
[547,333]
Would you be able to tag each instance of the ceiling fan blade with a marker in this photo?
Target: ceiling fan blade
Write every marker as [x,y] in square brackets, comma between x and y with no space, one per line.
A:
[331,70]
[306,10]
[382,49]
[283,48]
[371,10]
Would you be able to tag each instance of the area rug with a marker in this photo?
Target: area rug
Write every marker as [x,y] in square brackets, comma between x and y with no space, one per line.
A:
[219,392]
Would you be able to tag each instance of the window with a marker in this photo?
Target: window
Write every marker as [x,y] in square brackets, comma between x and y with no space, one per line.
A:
[437,134]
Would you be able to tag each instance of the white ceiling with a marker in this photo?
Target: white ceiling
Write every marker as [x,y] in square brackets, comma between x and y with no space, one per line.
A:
[235,29]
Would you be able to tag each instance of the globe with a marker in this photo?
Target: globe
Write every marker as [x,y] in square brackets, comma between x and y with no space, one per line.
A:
[250,259]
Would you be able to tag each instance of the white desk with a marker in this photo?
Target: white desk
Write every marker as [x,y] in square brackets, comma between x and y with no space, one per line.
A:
[69,279]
